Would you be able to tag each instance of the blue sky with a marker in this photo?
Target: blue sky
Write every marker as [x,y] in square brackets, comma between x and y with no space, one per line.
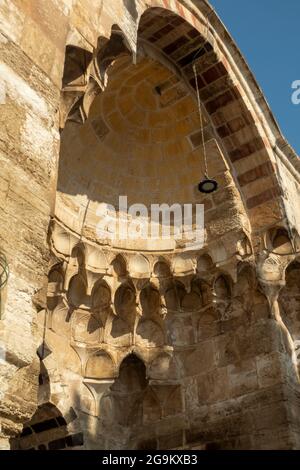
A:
[268,35]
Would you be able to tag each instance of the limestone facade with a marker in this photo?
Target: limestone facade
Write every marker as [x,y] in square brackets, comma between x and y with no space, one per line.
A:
[140,344]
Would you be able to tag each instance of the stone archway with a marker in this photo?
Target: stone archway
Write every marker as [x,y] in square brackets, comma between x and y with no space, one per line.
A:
[174,34]
[201,326]
[123,404]
[166,305]
[134,405]
[47,430]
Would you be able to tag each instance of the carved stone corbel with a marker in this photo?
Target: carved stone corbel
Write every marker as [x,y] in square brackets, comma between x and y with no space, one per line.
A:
[97,388]
[271,291]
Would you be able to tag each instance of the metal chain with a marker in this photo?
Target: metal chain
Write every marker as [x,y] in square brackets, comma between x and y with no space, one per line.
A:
[199,101]
[200,119]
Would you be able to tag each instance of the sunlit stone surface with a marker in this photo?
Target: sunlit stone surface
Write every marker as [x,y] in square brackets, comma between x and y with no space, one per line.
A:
[108,343]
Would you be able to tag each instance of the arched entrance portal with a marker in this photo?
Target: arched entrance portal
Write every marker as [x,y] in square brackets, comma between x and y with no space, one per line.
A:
[214,328]
[147,327]
[116,299]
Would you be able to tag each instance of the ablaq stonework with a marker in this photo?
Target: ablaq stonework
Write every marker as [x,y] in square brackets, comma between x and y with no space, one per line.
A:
[142,343]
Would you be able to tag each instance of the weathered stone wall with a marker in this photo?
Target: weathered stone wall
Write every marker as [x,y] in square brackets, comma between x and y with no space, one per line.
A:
[235,382]
[31,67]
